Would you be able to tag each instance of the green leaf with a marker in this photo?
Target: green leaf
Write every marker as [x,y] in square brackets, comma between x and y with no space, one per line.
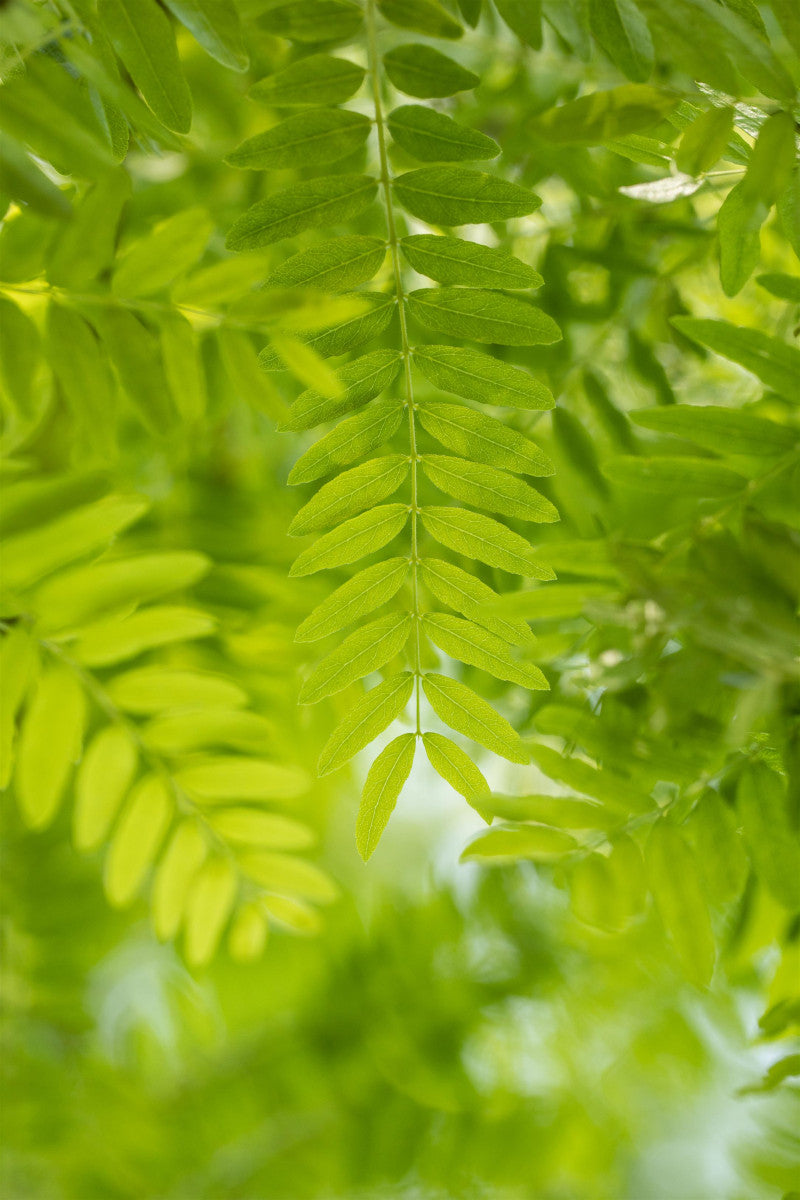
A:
[88,243]
[463,710]
[304,205]
[719,848]
[451,260]
[49,743]
[477,376]
[312,138]
[562,812]
[17,665]
[245,376]
[773,361]
[288,873]
[434,137]
[156,260]
[349,493]
[179,864]
[704,141]
[789,21]
[455,196]
[785,287]
[610,892]
[621,31]
[488,488]
[725,430]
[674,476]
[423,16]
[180,350]
[226,778]
[318,79]
[770,833]
[482,538]
[375,315]
[539,843]
[136,356]
[19,357]
[557,601]
[250,827]
[739,222]
[470,11]
[426,73]
[364,534]
[22,180]
[524,18]
[216,26]
[104,777]
[365,720]
[137,838]
[348,441]
[30,555]
[361,380]
[313,20]
[483,439]
[383,785]
[455,767]
[609,788]
[362,652]
[473,598]
[601,116]
[676,888]
[334,266]
[118,639]
[482,316]
[84,593]
[366,591]
[154,689]
[216,728]
[212,894]
[143,38]
[472,644]
[46,110]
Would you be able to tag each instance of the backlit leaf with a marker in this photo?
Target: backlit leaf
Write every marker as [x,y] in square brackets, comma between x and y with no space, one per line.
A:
[103,779]
[476,376]
[361,381]
[484,539]
[137,839]
[774,362]
[483,439]
[366,591]
[349,493]
[489,488]
[232,778]
[482,316]
[143,38]
[180,862]
[49,743]
[382,787]
[454,766]
[364,534]
[216,26]
[349,440]
[675,884]
[366,650]
[465,711]
[304,205]
[365,720]
[473,598]
[210,901]
[471,643]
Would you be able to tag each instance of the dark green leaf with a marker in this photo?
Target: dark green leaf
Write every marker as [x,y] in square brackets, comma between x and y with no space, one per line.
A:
[308,139]
[333,266]
[601,116]
[483,316]
[434,137]
[524,18]
[424,72]
[620,29]
[451,260]
[423,16]
[455,196]
[725,430]
[675,476]
[318,79]
[216,26]
[313,20]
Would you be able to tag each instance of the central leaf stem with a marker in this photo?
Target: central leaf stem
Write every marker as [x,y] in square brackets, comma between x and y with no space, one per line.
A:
[391,229]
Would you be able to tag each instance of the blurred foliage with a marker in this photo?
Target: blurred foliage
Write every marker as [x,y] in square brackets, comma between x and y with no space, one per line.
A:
[603,999]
